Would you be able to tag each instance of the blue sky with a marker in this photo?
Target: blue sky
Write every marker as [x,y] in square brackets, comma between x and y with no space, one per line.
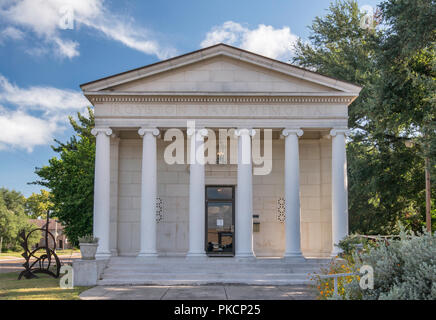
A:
[44,59]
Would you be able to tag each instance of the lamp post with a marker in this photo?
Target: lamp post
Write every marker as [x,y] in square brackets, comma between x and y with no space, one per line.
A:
[410,144]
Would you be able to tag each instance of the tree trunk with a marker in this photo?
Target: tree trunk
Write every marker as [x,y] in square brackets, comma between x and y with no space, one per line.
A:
[1,244]
[427,195]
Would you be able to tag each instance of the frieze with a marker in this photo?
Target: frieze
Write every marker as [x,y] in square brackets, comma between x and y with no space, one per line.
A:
[219,110]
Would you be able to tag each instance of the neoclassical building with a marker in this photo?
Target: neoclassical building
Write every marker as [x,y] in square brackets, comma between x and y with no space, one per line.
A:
[151,202]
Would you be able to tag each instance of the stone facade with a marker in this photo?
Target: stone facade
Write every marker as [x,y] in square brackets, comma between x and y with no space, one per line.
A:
[173,189]
[220,87]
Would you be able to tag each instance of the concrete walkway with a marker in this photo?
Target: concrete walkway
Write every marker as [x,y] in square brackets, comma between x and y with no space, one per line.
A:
[207,292]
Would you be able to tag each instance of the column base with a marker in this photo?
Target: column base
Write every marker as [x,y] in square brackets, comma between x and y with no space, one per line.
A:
[293,257]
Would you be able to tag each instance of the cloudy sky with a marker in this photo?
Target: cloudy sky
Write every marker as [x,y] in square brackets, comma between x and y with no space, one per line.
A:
[49,47]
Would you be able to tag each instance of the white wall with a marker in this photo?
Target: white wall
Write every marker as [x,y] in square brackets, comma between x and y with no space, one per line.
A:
[173,189]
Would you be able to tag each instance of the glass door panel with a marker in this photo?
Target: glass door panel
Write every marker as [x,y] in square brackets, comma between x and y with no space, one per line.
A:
[219,220]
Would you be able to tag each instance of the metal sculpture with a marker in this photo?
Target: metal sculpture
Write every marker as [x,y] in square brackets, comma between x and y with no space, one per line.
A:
[45,262]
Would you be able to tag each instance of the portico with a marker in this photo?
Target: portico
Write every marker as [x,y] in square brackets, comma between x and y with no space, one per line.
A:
[151,201]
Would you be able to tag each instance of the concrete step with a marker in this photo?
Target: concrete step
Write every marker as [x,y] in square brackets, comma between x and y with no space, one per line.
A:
[228,264]
[217,260]
[182,271]
[138,263]
[212,269]
[201,278]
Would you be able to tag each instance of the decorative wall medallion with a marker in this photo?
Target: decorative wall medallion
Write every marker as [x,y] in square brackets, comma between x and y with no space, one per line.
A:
[281,213]
[159,210]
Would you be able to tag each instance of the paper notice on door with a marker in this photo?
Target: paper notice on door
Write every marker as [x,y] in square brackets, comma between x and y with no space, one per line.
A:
[220,222]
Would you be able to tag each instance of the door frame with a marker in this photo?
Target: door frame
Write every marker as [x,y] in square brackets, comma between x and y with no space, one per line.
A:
[233,200]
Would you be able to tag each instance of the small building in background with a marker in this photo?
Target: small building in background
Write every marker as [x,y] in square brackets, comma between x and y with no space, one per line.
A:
[57,230]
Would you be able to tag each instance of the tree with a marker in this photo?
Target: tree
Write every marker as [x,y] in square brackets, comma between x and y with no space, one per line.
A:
[70,177]
[13,220]
[8,224]
[406,91]
[340,48]
[385,177]
[38,204]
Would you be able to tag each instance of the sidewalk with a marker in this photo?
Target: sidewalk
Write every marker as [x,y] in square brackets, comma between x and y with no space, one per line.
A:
[9,258]
[207,292]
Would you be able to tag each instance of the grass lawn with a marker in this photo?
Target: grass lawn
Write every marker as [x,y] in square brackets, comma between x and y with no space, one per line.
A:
[8,254]
[43,288]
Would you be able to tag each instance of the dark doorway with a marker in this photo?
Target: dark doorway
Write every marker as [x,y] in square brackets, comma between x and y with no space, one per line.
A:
[220,220]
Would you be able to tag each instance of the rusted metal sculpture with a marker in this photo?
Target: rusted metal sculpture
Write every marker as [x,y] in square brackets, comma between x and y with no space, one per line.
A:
[42,259]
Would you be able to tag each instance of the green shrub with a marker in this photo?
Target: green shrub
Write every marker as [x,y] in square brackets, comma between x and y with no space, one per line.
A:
[89,238]
[351,243]
[404,268]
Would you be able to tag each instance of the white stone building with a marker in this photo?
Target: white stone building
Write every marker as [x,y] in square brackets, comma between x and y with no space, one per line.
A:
[145,206]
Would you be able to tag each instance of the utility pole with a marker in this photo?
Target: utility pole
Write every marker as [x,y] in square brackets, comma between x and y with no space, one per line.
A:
[410,144]
[427,195]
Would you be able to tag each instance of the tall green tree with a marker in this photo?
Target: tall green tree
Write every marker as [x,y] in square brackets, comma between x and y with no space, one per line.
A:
[13,220]
[386,179]
[405,92]
[70,178]
[38,204]
[340,48]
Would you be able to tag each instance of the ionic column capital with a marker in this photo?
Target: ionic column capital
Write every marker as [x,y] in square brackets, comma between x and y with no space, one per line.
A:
[200,132]
[245,131]
[143,131]
[106,131]
[335,132]
[292,131]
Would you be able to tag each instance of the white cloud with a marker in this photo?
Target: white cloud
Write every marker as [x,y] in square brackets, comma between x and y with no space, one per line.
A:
[36,114]
[45,18]
[129,34]
[11,33]
[264,40]
[66,48]
[47,99]
[23,131]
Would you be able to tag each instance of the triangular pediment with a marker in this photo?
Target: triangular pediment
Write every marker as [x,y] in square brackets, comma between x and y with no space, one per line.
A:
[221,69]
[221,74]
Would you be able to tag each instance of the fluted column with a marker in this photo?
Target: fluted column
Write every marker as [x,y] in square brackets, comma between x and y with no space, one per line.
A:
[339,188]
[148,193]
[102,191]
[244,196]
[196,194]
[292,193]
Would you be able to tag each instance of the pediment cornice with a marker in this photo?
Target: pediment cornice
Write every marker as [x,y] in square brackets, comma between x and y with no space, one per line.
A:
[215,51]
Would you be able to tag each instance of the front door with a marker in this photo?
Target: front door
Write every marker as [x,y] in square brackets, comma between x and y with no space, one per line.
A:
[220,220]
